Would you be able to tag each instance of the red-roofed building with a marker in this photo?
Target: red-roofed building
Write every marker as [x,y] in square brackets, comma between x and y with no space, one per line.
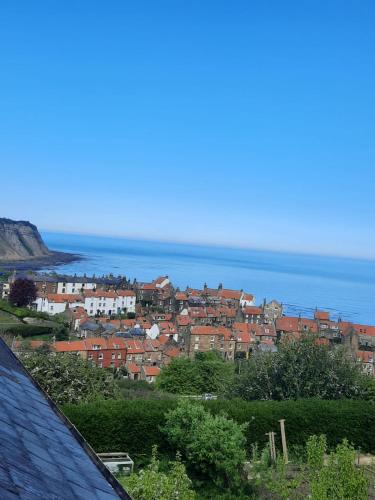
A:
[134,371]
[253,314]
[149,373]
[208,338]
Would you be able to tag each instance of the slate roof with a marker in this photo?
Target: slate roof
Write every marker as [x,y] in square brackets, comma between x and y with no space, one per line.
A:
[42,456]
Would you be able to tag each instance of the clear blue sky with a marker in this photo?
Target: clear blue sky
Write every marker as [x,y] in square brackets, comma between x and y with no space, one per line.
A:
[248,123]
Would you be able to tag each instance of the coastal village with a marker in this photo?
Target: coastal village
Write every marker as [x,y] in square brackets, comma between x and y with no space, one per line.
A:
[140,327]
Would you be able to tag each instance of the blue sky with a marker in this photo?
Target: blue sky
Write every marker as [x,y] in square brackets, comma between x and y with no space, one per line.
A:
[244,123]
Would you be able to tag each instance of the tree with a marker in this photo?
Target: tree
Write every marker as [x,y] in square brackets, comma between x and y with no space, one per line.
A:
[300,369]
[61,332]
[67,378]
[22,292]
[208,372]
[153,484]
[212,445]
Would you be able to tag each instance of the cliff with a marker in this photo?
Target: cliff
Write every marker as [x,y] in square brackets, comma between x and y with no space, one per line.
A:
[20,240]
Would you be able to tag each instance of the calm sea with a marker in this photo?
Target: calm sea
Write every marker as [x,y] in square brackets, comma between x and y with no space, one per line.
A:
[346,287]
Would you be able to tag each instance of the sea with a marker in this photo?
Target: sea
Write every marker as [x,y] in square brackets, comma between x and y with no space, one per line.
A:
[343,286]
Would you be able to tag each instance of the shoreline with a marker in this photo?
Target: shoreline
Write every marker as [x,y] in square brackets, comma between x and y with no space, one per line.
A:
[35,264]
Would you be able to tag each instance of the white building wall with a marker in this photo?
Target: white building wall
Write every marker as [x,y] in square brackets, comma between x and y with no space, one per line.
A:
[43,305]
[74,288]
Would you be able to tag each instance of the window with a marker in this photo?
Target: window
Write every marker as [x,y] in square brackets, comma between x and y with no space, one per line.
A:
[92,304]
[91,311]
[212,338]
[96,347]
[100,356]
[130,357]
[100,304]
[63,290]
[100,365]
[119,356]
[196,347]
[73,290]
[90,357]
[51,308]
[113,355]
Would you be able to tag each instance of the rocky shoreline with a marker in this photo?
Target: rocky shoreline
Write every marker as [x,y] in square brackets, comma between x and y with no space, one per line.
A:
[37,263]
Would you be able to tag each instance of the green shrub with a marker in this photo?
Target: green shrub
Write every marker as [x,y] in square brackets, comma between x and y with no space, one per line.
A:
[134,426]
[24,330]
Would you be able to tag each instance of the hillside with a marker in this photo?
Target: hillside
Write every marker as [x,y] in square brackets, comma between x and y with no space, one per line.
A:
[20,240]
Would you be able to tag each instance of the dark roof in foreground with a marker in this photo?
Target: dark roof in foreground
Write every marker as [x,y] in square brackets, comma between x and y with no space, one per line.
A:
[42,456]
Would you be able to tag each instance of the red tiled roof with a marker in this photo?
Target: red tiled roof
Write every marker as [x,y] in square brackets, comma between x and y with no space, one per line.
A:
[147,286]
[211,330]
[134,346]
[180,296]
[151,371]
[172,352]
[252,310]
[230,294]
[63,297]
[322,315]
[133,368]
[67,346]
[364,330]
[125,293]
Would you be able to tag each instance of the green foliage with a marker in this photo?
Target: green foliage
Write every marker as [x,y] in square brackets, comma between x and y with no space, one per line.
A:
[275,479]
[135,425]
[130,315]
[21,312]
[61,332]
[207,373]
[68,379]
[153,484]
[24,330]
[212,445]
[338,480]
[300,369]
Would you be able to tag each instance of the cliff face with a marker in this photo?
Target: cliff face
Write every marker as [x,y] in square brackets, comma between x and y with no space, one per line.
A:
[20,240]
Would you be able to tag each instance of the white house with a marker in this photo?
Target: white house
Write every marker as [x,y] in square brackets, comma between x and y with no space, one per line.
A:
[109,302]
[126,300]
[75,286]
[247,300]
[57,303]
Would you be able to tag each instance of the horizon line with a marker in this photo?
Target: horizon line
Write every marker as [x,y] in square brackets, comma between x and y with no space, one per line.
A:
[210,244]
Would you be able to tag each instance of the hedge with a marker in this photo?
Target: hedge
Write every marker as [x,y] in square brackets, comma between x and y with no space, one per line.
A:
[26,330]
[134,426]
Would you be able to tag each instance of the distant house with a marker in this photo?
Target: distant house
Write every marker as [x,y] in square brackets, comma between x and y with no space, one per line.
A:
[134,371]
[57,303]
[253,314]
[42,455]
[149,373]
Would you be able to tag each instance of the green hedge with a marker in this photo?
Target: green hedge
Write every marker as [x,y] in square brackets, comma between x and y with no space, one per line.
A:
[134,426]
[27,330]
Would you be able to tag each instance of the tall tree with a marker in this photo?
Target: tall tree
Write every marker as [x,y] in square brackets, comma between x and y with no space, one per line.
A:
[300,369]
[207,373]
[22,292]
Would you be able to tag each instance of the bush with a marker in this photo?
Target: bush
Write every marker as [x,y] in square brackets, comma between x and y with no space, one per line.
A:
[24,330]
[207,373]
[212,445]
[22,312]
[67,378]
[134,426]
[152,482]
